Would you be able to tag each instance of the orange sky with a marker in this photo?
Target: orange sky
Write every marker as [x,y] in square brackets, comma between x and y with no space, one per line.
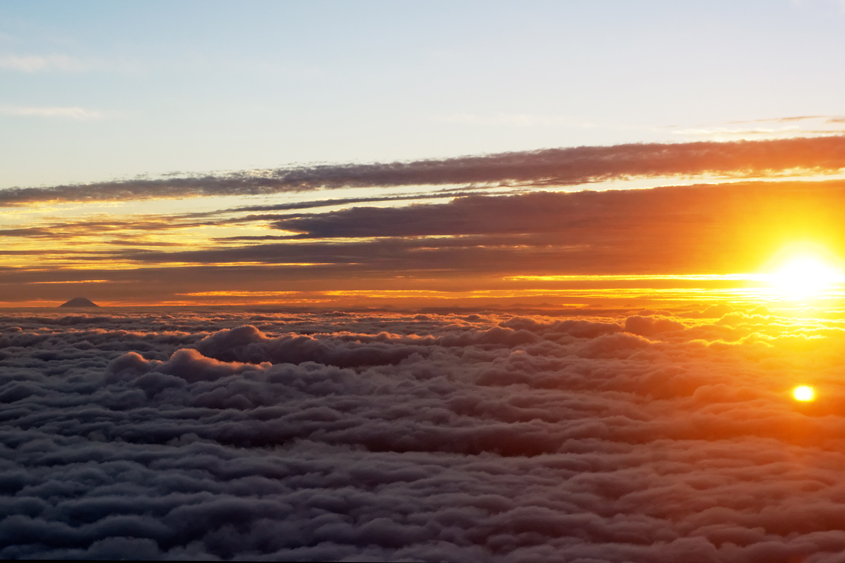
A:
[480,231]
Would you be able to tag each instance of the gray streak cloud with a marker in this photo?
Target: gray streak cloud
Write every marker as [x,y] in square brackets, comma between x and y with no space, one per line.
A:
[565,166]
[669,229]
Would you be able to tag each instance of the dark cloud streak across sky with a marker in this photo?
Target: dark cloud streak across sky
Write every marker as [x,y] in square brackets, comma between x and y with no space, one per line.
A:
[565,166]
[665,230]
[703,229]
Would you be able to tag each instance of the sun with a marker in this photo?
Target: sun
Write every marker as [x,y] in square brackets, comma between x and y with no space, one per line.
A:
[804,276]
[804,393]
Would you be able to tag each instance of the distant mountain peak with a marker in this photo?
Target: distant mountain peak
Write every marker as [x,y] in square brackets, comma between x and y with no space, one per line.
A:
[79,302]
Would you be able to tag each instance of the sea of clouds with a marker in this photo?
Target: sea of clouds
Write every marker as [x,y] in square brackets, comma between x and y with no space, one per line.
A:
[212,434]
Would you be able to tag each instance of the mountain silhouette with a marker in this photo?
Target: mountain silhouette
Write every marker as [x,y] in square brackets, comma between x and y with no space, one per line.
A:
[79,302]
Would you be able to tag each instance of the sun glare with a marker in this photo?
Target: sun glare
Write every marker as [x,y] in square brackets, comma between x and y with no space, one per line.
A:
[804,393]
[804,276]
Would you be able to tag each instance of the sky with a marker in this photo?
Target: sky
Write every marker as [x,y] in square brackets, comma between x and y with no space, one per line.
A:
[432,281]
[219,153]
[99,90]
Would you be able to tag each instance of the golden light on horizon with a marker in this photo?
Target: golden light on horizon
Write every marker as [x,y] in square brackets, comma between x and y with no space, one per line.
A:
[804,393]
[805,276]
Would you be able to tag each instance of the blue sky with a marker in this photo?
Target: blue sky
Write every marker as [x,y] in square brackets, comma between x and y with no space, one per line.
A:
[93,91]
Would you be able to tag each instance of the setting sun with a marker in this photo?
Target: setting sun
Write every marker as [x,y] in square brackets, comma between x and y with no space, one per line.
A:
[804,276]
[804,393]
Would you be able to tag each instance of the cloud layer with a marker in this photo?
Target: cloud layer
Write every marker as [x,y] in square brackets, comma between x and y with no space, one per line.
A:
[471,243]
[559,167]
[215,434]
[661,230]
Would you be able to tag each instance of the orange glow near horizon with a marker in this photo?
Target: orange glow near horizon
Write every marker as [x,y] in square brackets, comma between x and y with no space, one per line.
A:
[805,276]
[784,256]
[803,279]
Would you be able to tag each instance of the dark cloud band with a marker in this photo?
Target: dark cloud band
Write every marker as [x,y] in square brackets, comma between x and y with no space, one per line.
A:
[568,166]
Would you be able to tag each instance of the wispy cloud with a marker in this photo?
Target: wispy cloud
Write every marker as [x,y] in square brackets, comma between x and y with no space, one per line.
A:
[37,63]
[620,232]
[807,3]
[511,120]
[768,128]
[548,167]
[782,119]
[67,112]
